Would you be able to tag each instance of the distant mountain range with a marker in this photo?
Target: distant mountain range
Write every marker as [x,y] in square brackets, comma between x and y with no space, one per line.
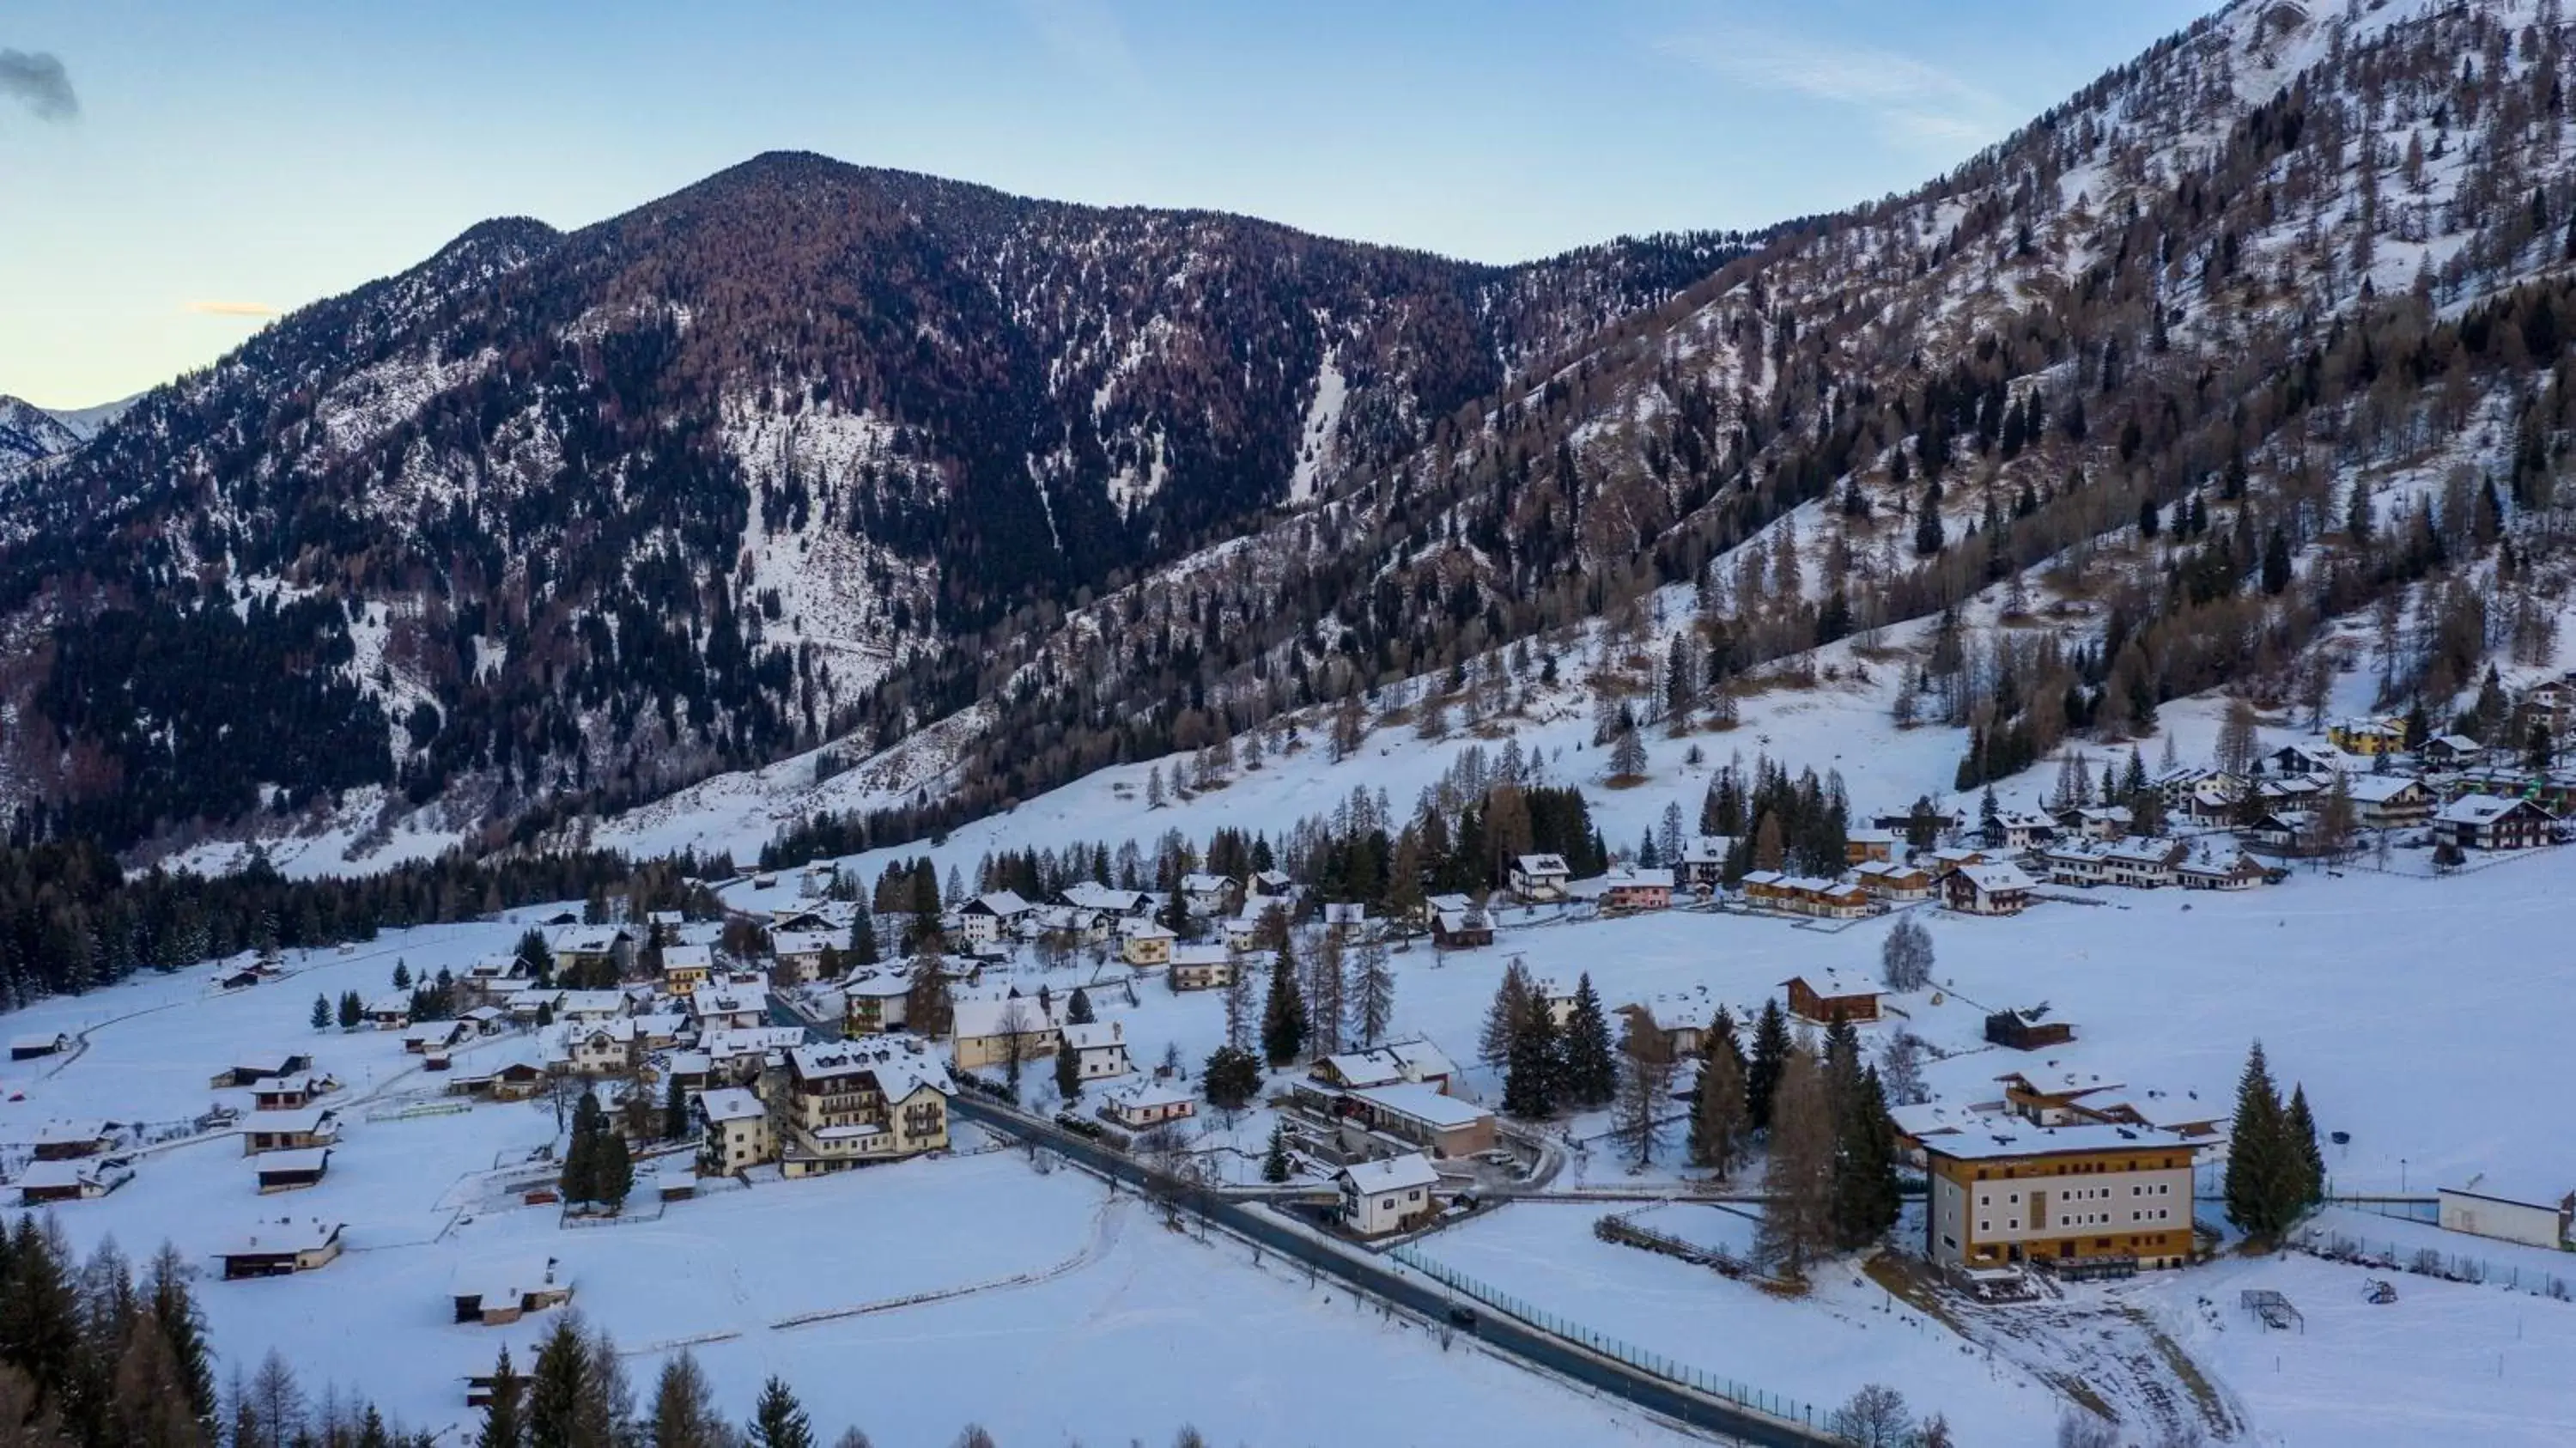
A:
[808,453]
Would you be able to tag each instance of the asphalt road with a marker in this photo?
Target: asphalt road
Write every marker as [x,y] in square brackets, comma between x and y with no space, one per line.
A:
[1427,1300]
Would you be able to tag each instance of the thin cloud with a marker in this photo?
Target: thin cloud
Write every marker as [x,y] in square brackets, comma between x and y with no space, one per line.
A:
[232,309]
[1913,102]
[39,83]
[1085,35]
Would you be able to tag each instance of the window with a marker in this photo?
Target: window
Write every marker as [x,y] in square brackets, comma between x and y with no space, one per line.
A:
[1985,1199]
[1985,1226]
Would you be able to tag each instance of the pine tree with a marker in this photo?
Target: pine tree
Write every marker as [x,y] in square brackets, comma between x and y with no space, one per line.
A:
[1762,1072]
[2300,1130]
[1373,993]
[1865,1188]
[402,976]
[1530,1087]
[675,1110]
[1283,1015]
[1231,1078]
[1591,1076]
[1068,1074]
[502,1426]
[2258,1156]
[559,1385]
[353,1011]
[1077,1010]
[1645,1083]
[1719,1124]
[183,1327]
[616,1169]
[1274,1162]
[321,1019]
[863,936]
[778,1421]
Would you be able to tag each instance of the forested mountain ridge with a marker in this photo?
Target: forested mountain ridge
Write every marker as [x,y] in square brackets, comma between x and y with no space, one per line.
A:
[2264,329]
[584,515]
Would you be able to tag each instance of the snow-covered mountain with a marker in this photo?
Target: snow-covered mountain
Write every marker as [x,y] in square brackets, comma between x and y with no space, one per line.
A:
[969,496]
[29,434]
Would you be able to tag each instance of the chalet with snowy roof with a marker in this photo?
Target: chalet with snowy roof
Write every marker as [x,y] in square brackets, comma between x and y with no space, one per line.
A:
[685,968]
[1099,1050]
[1540,879]
[1143,1105]
[2145,863]
[1918,1122]
[72,1140]
[2027,1030]
[1990,889]
[1242,930]
[1892,882]
[282,1248]
[2302,759]
[1860,847]
[238,977]
[291,1093]
[2451,751]
[29,1048]
[1147,945]
[987,919]
[2389,801]
[2219,867]
[2017,830]
[1462,929]
[1348,918]
[291,1171]
[1090,895]
[1831,998]
[1272,885]
[1951,857]
[592,949]
[2284,831]
[1209,895]
[1628,891]
[729,1008]
[2368,737]
[46,1183]
[1702,867]
[2052,1098]
[875,1000]
[1419,1115]
[428,1036]
[847,1103]
[2493,822]
[2098,821]
[2183,1113]
[2536,1212]
[1201,967]
[609,1048]
[508,1074]
[390,1012]
[733,1131]
[250,1070]
[1384,1197]
[500,1293]
[1805,895]
[987,1032]
[1417,1062]
[270,1131]
[738,1052]
[2086,1199]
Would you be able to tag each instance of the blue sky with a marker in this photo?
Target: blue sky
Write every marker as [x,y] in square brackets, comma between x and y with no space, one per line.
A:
[227,161]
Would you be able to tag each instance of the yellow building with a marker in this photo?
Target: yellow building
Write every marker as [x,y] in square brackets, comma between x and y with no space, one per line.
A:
[2367,736]
[846,1104]
[1147,945]
[2092,1196]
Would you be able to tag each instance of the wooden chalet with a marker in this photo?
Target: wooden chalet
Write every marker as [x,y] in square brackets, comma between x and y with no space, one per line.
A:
[1837,1000]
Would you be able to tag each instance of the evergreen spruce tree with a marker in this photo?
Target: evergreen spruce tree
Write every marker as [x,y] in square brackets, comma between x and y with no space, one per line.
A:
[402,976]
[863,936]
[1231,1078]
[778,1420]
[615,1178]
[1511,1005]
[1591,1076]
[167,1298]
[558,1385]
[1077,1010]
[1865,1190]
[675,1111]
[1274,1162]
[1068,1074]
[2300,1130]
[1283,1015]
[353,1011]
[1762,1072]
[321,1019]
[502,1424]
[1372,993]
[2259,1160]
[1530,1087]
